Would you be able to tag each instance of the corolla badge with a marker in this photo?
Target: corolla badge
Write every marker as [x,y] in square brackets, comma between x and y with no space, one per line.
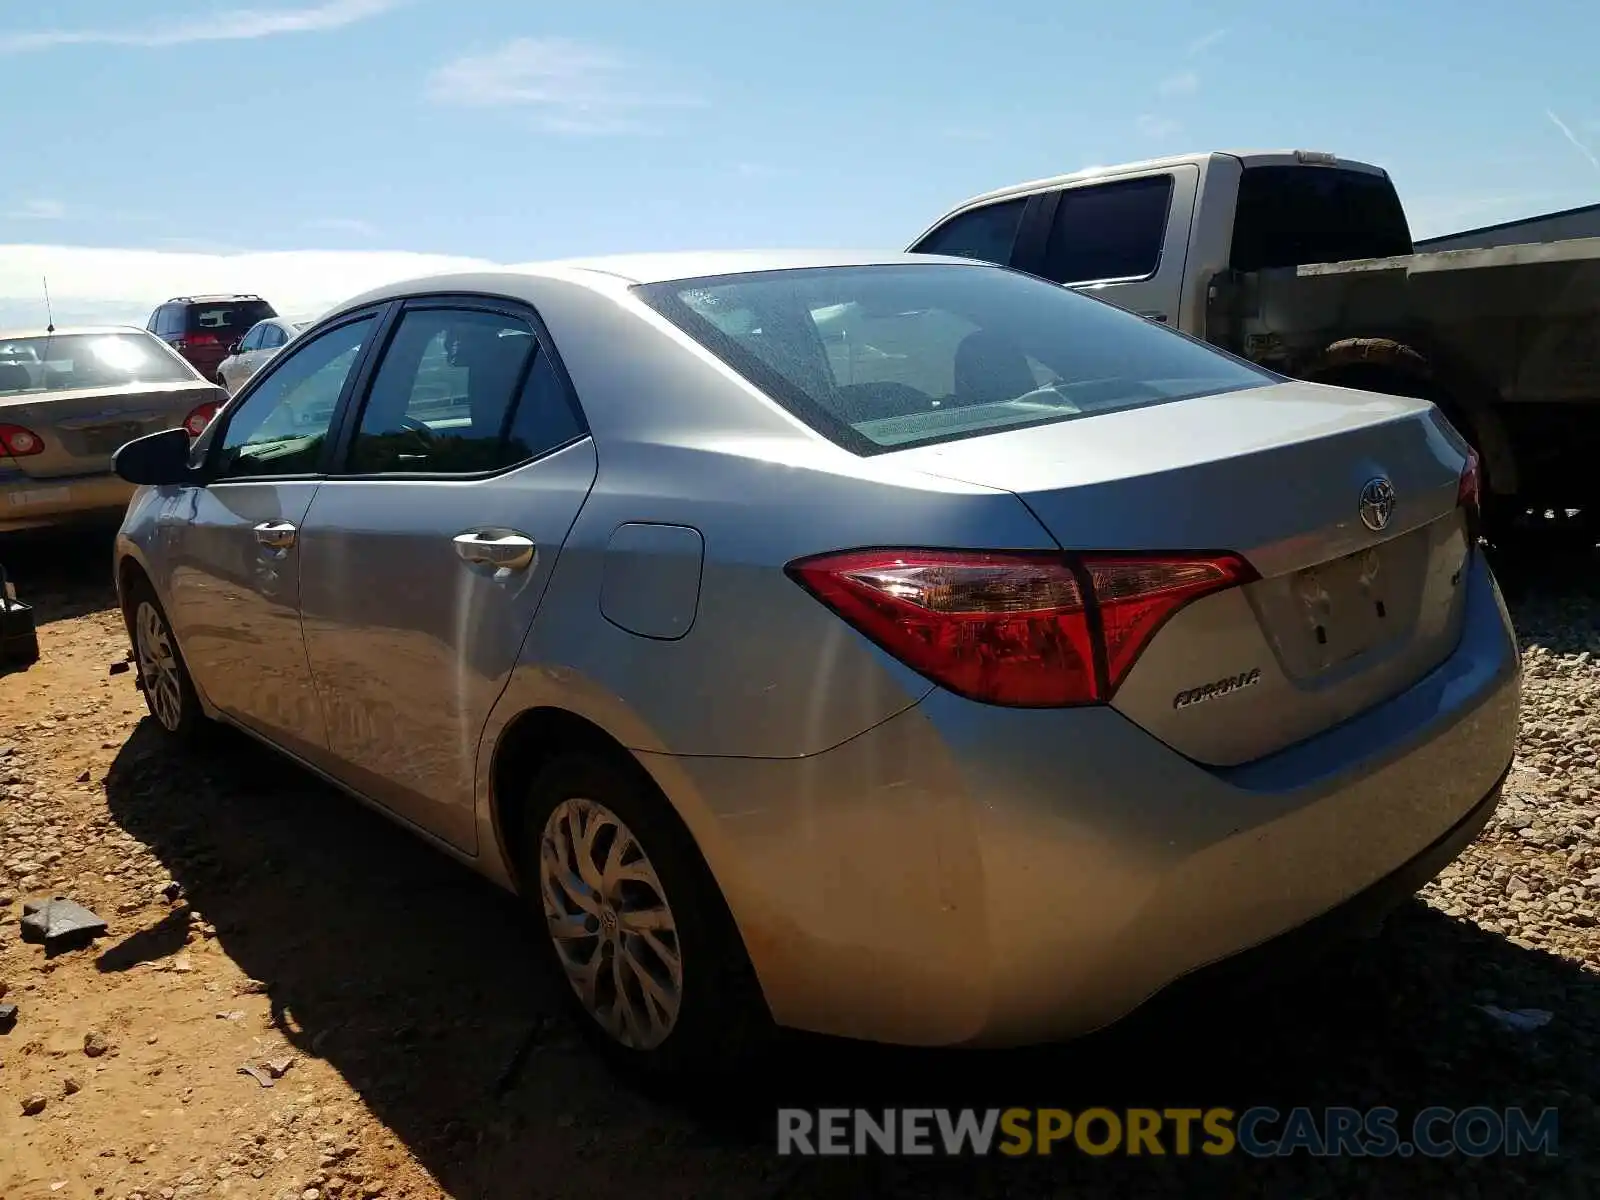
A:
[1377,503]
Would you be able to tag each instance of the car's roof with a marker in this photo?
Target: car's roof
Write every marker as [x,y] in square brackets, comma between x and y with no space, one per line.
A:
[212,298]
[69,330]
[691,264]
[1250,158]
[609,272]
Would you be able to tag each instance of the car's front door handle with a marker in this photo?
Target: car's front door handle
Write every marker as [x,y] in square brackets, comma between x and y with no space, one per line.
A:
[276,535]
[505,549]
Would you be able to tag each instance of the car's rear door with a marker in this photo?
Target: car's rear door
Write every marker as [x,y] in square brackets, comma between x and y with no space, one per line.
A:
[425,555]
[230,551]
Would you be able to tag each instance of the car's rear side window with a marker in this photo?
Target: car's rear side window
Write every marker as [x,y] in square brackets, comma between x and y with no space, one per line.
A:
[1109,230]
[885,357]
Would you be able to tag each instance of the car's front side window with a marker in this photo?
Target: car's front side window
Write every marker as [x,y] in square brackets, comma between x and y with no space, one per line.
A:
[284,422]
[461,391]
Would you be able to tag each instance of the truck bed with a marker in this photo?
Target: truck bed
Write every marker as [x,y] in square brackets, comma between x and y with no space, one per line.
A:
[1511,328]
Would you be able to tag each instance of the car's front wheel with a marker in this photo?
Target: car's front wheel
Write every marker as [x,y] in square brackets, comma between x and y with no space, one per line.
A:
[639,939]
[163,676]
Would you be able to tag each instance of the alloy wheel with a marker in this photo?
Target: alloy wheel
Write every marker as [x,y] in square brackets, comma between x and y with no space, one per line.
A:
[158,666]
[612,926]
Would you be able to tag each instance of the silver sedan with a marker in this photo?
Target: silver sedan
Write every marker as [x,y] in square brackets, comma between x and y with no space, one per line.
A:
[68,399]
[256,348]
[888,646]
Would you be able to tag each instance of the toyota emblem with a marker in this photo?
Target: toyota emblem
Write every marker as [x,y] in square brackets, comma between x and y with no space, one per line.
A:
[1377,503]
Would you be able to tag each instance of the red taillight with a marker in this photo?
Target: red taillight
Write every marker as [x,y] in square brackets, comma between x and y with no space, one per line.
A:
[197,421]
[19,442]
[192,340]
[1469,493]
[1027,629]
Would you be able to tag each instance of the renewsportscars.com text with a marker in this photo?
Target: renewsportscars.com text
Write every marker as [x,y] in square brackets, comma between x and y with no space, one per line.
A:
[1258,1132]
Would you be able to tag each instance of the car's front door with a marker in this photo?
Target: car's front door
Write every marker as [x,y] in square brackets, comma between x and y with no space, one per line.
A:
[235,369]
[425,555]
[233,545]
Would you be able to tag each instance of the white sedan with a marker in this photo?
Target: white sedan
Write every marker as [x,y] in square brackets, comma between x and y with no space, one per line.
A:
[255,349]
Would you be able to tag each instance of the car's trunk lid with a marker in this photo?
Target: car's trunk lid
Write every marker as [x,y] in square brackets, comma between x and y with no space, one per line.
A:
[1342,617]
[82,429]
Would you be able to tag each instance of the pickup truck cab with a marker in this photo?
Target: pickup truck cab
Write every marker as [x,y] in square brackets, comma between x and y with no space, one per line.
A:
[1303,263]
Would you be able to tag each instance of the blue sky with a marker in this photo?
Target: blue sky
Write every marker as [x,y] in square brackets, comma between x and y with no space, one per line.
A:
[196,130]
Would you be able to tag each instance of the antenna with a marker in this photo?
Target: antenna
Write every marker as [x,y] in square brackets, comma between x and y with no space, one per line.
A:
[50,316]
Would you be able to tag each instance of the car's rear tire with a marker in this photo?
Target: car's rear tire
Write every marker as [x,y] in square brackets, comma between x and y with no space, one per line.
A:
[164,677]
[633,930]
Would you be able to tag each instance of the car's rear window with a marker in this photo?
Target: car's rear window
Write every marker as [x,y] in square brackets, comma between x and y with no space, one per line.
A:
[882,358]
[1292,216]
[66,362]
[232,316]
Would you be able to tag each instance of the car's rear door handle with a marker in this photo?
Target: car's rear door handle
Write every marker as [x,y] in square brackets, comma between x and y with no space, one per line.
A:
[501,548]
[276,535]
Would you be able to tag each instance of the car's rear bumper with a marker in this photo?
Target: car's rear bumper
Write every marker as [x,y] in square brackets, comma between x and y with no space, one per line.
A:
[28,503]
[964,874]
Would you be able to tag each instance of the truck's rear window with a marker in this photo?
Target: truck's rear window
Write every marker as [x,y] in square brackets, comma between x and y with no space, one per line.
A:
[886,357]
[228,317]
[1294,216]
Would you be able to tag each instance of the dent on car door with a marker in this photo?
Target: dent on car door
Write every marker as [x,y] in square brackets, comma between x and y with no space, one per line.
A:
[233,575]
[425,557]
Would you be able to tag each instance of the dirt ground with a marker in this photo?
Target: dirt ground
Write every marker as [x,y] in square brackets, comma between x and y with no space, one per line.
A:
[258,918]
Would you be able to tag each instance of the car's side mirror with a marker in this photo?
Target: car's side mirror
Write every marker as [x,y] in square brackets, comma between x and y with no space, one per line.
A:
[233,347]
[155,459]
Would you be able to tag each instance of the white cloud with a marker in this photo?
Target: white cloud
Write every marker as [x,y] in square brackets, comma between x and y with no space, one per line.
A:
[1184,83]
[39,210]
[569,86]
[225,25]
[1566,132]
[1153,126]
[122,286]
[352,225]
[1203,43]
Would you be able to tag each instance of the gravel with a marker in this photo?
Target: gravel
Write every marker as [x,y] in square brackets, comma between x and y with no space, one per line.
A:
[400,1017]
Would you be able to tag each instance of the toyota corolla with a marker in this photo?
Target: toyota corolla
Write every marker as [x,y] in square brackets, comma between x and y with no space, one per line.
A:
[888,646]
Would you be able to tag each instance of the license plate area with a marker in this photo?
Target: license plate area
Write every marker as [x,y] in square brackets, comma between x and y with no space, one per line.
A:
[1323,617]
[108,439]
[1344,606]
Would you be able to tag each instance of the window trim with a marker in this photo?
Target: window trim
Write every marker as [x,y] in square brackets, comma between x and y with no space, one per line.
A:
[382,312]
[355,406]
[1053,207]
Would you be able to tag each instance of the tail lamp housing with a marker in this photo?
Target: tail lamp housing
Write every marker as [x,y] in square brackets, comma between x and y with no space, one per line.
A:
[1024,629]
[1469,493]
[195,423]
[20,442]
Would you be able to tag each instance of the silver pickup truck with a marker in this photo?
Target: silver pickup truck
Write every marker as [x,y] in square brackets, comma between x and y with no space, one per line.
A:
[1303,262]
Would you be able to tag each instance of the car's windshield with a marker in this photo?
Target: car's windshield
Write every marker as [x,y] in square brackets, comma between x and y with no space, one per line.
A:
[65,362]
[885,357]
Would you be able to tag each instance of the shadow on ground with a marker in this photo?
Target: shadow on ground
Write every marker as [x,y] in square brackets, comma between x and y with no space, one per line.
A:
[62,573]
[414,979]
